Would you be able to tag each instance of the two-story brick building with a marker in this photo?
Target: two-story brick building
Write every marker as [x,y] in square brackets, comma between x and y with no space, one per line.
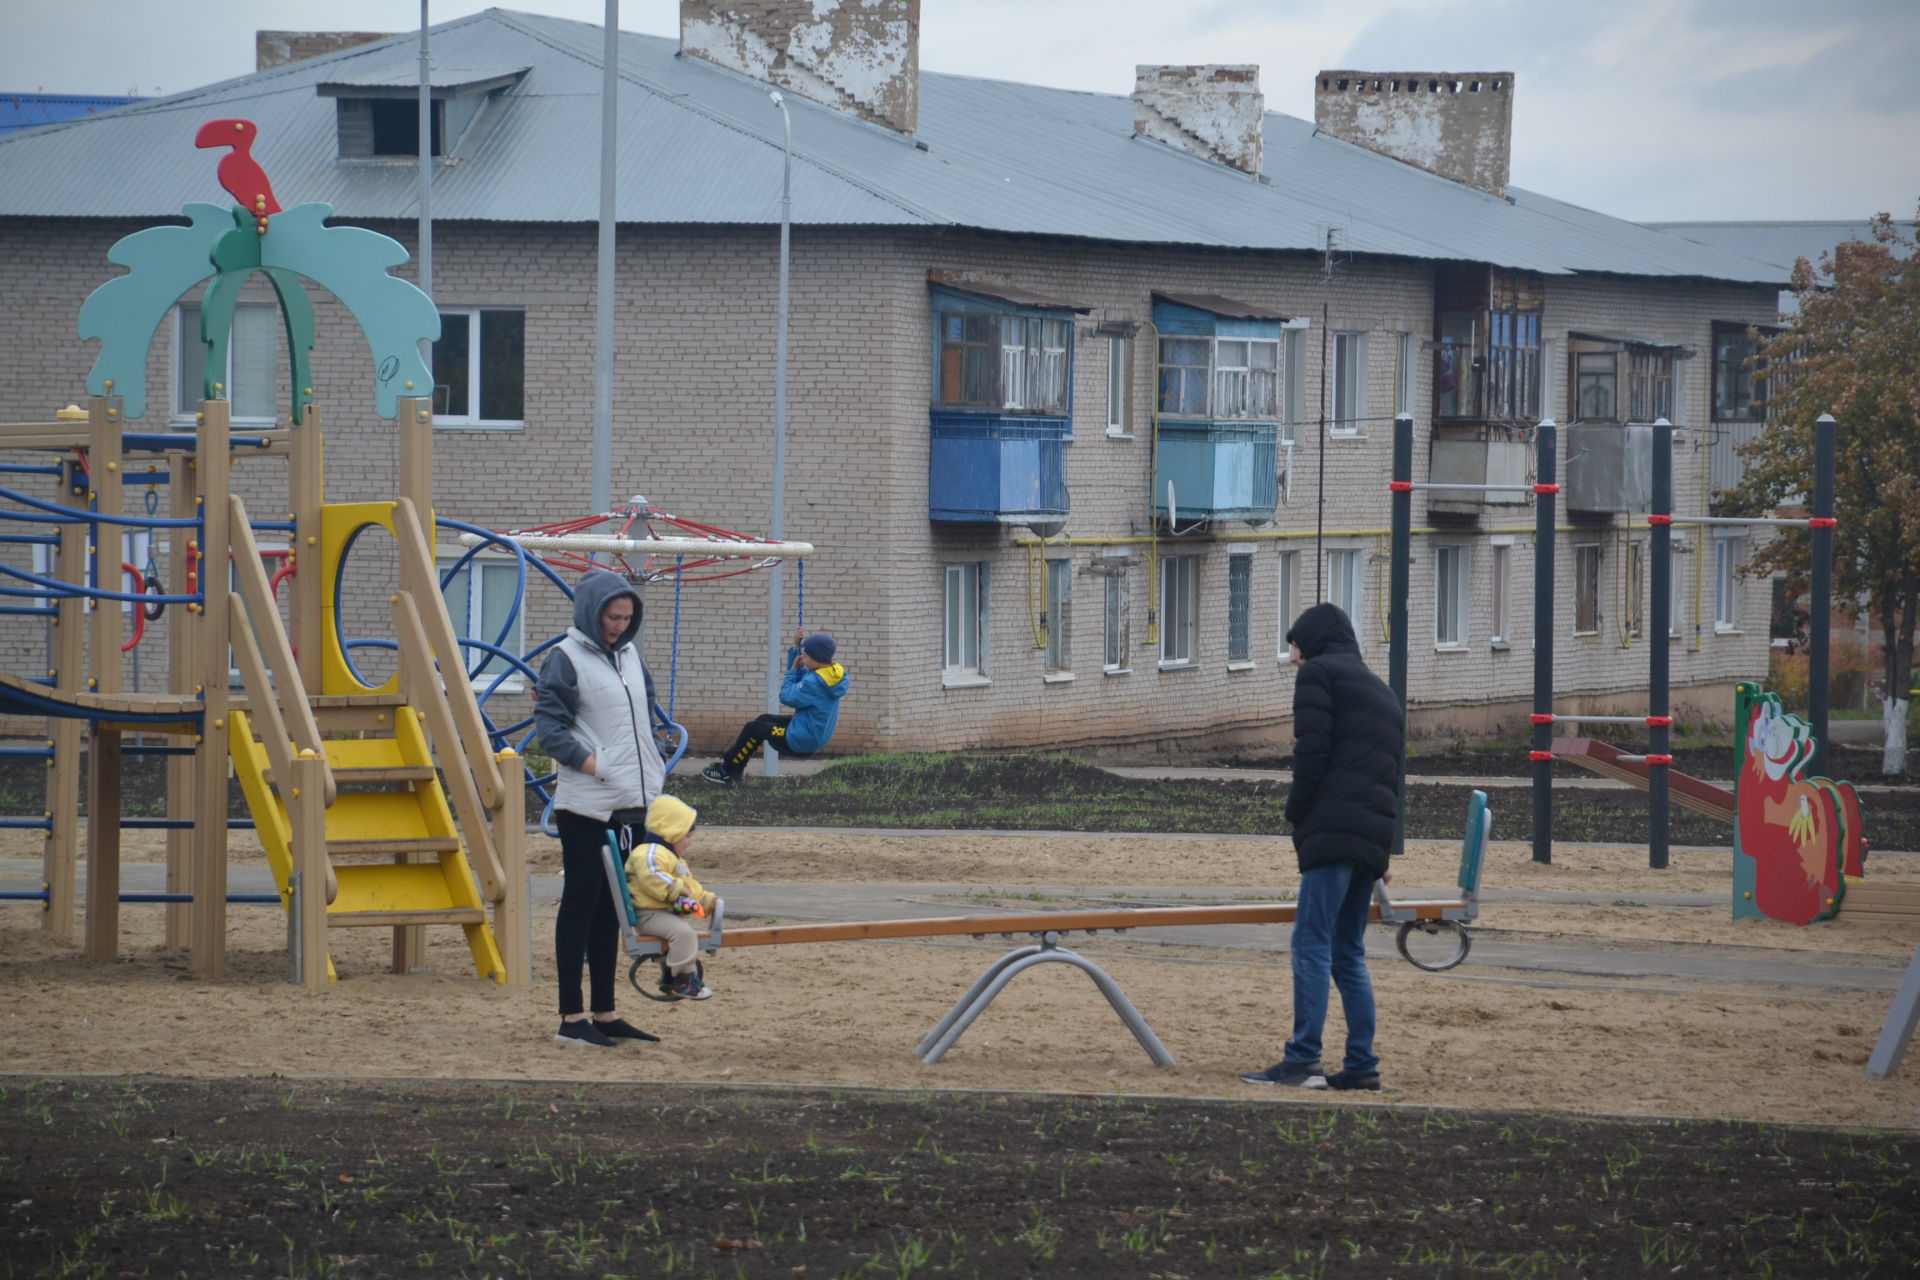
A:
[1088,394]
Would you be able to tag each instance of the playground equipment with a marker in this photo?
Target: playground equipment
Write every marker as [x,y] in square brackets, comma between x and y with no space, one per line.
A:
[1420,921]
[378,804]
[1795,838]
[1658,719]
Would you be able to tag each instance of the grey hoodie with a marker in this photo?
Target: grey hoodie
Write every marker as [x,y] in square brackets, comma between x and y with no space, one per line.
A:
[594,700]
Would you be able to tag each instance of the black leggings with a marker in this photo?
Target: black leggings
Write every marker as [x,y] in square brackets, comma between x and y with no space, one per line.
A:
[586,928]
[768,728]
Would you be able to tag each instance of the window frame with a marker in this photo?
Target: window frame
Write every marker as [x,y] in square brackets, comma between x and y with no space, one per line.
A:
[475,370]
[1347,588]
[1451,613]
[1634,590]
[1733,379]
[1119,402]
[965,596]
[1179,612]
[1022,366]
[1729,556]
[1287,591]
[1218,381]
[1500,609]
[482,679]
[188,342]
[1239,610]
[1348,410]
[1117,621]
[1678,551]
[1057,656]
[1587,561]
[1513,365]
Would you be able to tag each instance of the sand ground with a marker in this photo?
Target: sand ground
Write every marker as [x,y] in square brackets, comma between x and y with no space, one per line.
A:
[850,1014]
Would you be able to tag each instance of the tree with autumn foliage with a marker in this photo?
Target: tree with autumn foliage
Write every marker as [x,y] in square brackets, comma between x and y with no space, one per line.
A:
[1852,351]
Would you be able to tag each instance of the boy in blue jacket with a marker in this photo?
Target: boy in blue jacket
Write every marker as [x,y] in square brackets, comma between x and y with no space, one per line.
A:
[814,685]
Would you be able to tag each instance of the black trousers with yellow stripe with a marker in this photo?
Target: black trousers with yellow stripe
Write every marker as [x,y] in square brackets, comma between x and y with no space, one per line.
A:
[770,729]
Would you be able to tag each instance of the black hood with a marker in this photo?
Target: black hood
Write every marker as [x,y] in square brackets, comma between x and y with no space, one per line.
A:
[1323,629]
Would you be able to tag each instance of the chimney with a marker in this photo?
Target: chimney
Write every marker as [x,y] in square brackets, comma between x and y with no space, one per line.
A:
[858,56]
[278,48]
[1456,124]
[1213,112]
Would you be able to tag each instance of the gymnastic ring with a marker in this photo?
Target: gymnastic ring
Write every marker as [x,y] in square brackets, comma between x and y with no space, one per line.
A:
[1459,930]
[154,587]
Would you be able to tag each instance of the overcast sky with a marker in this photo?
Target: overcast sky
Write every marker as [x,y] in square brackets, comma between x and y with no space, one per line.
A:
[1645,109]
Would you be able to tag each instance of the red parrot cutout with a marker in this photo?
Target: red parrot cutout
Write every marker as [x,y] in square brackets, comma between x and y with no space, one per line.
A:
[239,172]
[1792,836]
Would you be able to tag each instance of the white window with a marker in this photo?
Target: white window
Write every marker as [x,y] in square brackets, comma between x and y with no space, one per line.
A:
[1502,574]
[1677,558]
[1636,590]
[482,600]
[479,368]
[1240,608]
[1058,619]
[1295,341]
[1727,557]
[1117,406]
[964,649]
[1405,356]
[1179,609]
[1450,596]
[248,380]
[1349,383]
[1225,379]
[1586,588]
[1344,570]
[1288,584]
[1118,625]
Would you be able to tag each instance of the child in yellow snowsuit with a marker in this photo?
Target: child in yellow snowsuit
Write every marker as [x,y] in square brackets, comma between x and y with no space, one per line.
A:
[665,893]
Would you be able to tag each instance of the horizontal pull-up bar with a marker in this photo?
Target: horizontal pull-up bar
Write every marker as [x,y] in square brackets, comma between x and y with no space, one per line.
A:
[1408,486]
[1549,717]
[1806,522]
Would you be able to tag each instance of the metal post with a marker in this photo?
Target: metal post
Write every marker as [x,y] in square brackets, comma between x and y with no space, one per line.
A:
[1820,609]
[1659,736]
[426,181]
[601,475]
[1401,501]
[776,648]
[1546,465]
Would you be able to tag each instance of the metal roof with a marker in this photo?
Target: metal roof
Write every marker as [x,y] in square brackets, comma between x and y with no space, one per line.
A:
[703,145]
[31,110]
[1779,243]
[1230,308]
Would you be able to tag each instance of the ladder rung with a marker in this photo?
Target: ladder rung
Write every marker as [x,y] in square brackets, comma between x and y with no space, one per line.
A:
[377,773]
[424,844]
[375,919]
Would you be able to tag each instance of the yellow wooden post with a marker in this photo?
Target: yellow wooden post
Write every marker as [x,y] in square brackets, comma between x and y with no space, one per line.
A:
[307,812]
[103,676]
[182,674]
[211,471]
[513,913]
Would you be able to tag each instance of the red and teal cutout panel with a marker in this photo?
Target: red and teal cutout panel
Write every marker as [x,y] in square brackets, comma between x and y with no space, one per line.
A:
[1795,839]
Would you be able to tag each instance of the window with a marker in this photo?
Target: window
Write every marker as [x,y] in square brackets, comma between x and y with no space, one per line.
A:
[388,126]
[1649,384]
[1118,624]
[1118,417]
[1596,375]
[1676,557]
[1010,363]
[1739,393]
[1450,597]
[1513,364]
[1289,593]
[479,368]
[1240,609]
[1456,365]
[480,598]
[1222,379]
[1343,584]
[1179,609]
[1058,620]
[1586,588]
[1349,383]
[964,649]
[1728,554]
[1502,574]
[249,380]
[1633,621]
[1405,356]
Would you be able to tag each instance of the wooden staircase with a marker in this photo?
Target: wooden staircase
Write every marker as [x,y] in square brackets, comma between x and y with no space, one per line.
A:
[394,853]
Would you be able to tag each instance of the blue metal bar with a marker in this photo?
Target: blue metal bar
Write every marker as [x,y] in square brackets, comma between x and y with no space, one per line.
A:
[29,610]
[69,515]
[35,539]
[157,442]
[27,824]
[43,752]
[262,898]
[53,586]
[29,469]
[277,526]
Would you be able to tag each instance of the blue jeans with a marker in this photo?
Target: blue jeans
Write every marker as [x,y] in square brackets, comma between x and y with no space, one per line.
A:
[1329,942]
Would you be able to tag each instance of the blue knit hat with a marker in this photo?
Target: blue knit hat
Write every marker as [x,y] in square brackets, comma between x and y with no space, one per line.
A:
[819,646]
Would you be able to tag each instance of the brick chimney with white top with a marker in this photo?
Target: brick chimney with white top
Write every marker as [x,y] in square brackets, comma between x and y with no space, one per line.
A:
[1458,124]
[860,56]
[1213,112]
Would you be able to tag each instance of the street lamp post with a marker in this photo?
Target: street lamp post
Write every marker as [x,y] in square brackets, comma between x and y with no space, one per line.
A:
[776,649]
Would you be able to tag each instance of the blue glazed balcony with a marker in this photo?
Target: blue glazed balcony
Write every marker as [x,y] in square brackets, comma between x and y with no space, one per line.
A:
[988,467]
[1219,471]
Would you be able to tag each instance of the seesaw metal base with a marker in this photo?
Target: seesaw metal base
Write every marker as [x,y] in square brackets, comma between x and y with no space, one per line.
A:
[1002,971]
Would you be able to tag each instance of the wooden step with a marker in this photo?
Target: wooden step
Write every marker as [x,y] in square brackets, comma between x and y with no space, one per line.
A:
[377,773]
[380,919]
[385,848]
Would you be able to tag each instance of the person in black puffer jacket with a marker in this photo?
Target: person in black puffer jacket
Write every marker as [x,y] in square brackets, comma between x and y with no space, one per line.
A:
[1349,737]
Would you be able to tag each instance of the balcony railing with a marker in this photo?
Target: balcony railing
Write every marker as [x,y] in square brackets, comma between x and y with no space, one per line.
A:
[985,467]
[1218,471]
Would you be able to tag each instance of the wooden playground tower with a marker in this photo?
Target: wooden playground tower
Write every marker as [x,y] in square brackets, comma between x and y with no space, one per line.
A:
[377,805]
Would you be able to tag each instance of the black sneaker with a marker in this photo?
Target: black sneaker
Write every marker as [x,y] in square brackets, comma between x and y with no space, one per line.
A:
[717,772]
[1368,1080]
[1297,1075]
[582,1031]
[621,1029]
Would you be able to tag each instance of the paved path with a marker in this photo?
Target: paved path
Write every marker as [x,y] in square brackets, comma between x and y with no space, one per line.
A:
[1563,961]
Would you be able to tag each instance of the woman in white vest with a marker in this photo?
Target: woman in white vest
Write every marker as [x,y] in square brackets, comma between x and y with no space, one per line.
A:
[591,714]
